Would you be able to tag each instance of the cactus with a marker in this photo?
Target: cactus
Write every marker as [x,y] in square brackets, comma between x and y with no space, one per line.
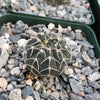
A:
[57,2]
[46,55]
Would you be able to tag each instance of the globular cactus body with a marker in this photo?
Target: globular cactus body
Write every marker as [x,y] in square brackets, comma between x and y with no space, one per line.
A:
[46,55]
[57,2]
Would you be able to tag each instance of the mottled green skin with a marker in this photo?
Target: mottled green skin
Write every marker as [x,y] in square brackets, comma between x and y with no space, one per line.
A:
[46,55]
[57,2]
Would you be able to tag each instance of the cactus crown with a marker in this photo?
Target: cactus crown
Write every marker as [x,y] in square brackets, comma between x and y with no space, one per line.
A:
[57,2]
[46,55]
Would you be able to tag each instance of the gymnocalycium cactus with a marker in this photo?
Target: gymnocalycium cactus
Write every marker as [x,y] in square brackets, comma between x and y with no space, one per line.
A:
[57,2]
[46,55]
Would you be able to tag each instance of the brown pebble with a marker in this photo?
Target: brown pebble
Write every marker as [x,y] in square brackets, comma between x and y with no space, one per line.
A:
[14,49]
[81,94]
[82,77]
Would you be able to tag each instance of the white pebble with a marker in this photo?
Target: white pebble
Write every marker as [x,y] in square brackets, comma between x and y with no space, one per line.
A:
[15,94]
[68,71]
[51,26]
[29,82]
[29,98]
[10,87]
[37,85]
[22,42]
[15,71]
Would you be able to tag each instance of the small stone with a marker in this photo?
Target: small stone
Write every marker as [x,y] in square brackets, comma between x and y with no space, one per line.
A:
[21,65]
[60,13]
[91,53]
[11,61]
[51,26]
[77,70]
[3,83]
[68,71]
[22,43]
[75,97]
[94,96]
[15,94]
[48,92]
[14,49]
[58,86]
[29,98]
[76,86]
[4,73]
[15,71]
[36,95]
[79,36]
[45,81]
[82,77]
[29,82]
[3,57]
[44,96]
[10,87]
[3,30]
[33,8]
[15,38]
[86,5]
[86,70]
[95,76]
[88,90]
[37,85]
[55,95]
[86,57]
[19,24]
[27,91]
[82,94]
[94,85]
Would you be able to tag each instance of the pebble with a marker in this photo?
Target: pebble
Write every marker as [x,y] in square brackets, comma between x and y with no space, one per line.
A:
[58,86]
[15,94]
[29,98]
[29,82]
[36,95]
[94,85]
[55,95]
[45,81]
[95,76]
[33,8]
[88,90]
[10,87]
[51,26]
[86,57]
[27,91]
[3,83]
[3,57]
[94,96]
[75,97]
[68,71]
[76,86]
[15,38]
[22,42]
[86,70]
[15,71]
[82,77]
[37,85]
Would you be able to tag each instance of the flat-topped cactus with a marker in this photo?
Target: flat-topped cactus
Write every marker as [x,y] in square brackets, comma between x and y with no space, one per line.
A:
[57,2]
[46,55]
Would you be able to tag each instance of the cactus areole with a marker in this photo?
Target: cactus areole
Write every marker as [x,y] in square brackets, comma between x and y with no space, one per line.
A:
[46,55]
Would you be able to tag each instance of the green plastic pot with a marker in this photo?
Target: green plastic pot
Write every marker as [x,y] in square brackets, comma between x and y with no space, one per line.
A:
[96,10]
[17,13]
[89,33]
